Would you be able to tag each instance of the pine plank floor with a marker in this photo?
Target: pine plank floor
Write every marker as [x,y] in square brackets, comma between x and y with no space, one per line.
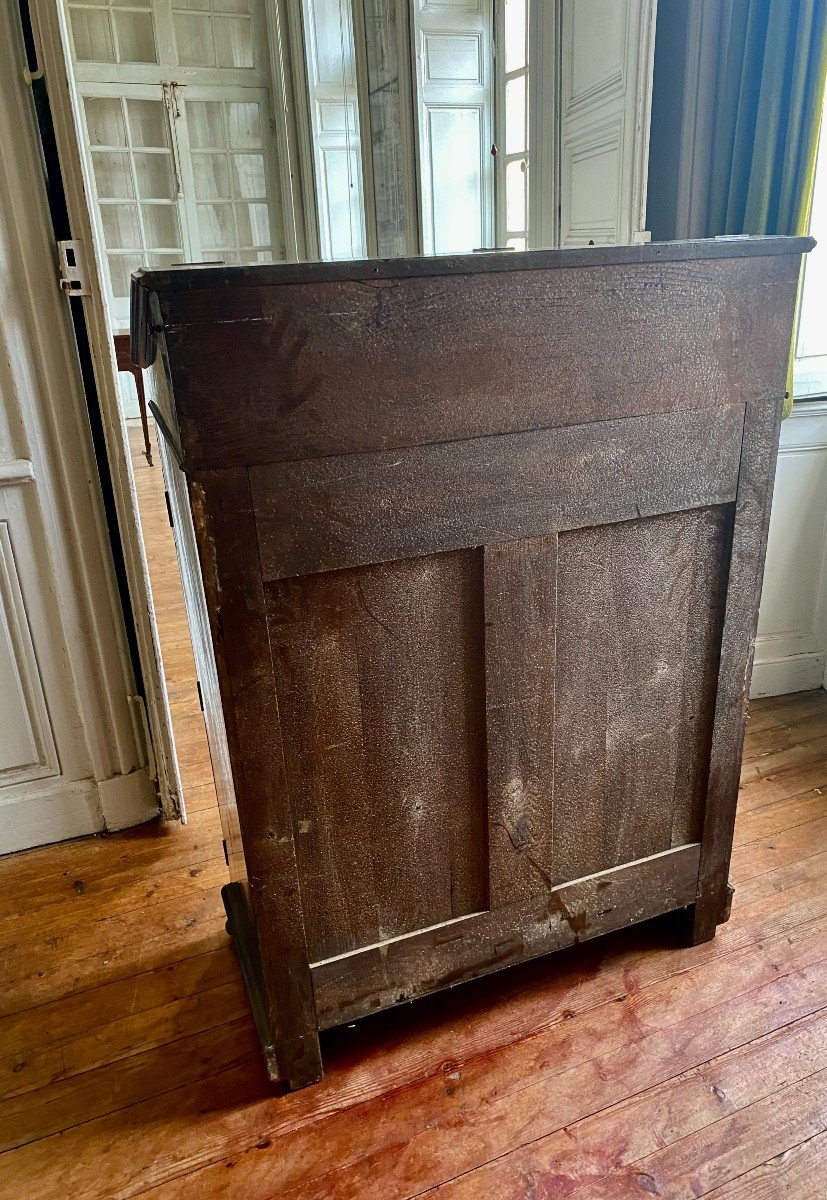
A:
[627,1067]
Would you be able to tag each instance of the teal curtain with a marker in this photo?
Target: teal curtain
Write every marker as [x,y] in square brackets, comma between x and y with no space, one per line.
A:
[767,115]
[767,118]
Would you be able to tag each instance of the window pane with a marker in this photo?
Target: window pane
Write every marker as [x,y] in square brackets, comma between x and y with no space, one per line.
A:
[104,121]
[456,174]
[212,178]
[193,36]
[516,243]
[120,226]
[244,126]
[215,223]
[515,124]
[234,41]
[148,123]
[248,176]
[161,226]
[121,267]
[113,176]
[205,124]
[155,176]
[253,224]
[162,261]
[515,195]
[515,43]
[92,35]
[136,38]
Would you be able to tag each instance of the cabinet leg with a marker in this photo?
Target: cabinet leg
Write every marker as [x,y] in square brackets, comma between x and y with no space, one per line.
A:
[304,1060]
[702,922]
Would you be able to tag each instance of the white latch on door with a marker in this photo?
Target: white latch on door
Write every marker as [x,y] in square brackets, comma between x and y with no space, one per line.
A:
[73,277]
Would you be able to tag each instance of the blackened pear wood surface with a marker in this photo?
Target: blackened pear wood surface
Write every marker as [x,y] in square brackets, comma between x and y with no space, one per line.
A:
[482,542]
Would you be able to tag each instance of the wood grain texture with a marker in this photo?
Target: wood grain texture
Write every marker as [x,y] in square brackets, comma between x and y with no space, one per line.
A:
[516,348]
[520,646]
[379,679]
[142,1077]
[382,434]
[345,511]
[225,531]
[746,573]
[638,625]
[400,969]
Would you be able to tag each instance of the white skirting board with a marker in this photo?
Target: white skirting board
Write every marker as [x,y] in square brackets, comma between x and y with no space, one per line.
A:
[54,810]
[791,646]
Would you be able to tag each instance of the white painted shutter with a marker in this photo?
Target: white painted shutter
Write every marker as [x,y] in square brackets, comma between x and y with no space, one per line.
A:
[605,93]
[455,115]
[334,120]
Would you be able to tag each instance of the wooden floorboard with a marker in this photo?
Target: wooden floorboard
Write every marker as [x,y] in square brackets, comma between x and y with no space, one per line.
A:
[631,1066]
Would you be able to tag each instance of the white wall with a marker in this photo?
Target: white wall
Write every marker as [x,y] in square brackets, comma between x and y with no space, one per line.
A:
[791,647]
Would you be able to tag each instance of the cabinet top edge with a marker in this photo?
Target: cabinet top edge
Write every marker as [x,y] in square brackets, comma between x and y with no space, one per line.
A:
[204,276]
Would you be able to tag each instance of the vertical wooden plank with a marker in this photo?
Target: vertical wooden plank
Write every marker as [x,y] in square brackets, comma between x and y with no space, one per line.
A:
[746,572]
[421,680]
[638,604]
[709,565]
[520,620]
[379,674]
[315,661]
[228,549]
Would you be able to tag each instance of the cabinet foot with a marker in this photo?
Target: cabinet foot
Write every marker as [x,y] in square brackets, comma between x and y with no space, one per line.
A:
[702,922]
[242,930]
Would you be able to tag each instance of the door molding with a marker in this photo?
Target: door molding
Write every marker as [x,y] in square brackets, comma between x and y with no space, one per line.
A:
[92,771]
[53,49]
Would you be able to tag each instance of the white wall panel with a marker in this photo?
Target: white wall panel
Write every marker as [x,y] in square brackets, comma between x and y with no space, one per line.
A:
[792,629]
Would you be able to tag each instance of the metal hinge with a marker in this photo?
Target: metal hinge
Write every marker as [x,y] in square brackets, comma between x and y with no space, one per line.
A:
[73,278]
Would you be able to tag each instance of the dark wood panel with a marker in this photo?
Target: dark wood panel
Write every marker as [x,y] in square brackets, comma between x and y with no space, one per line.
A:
[520,633]
[749,545]
[225,531]
[395,971]
[331,513]
[379,674]
[353,365]
[635,617]
[398,426]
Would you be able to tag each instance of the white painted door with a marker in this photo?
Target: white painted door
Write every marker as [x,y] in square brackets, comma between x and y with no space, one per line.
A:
[455,117]
[72,754]
[605,95]
[177,122]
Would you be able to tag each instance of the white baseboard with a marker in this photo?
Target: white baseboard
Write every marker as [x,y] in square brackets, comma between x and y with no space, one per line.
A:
[795,673]
[55,810]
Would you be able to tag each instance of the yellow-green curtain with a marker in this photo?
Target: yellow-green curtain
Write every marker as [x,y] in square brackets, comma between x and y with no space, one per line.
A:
[767,118]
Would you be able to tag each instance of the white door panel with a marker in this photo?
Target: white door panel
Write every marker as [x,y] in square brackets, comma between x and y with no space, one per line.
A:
[27,747]
[605,85]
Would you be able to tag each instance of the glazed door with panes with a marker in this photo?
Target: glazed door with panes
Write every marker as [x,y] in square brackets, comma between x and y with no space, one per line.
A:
[175,98]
